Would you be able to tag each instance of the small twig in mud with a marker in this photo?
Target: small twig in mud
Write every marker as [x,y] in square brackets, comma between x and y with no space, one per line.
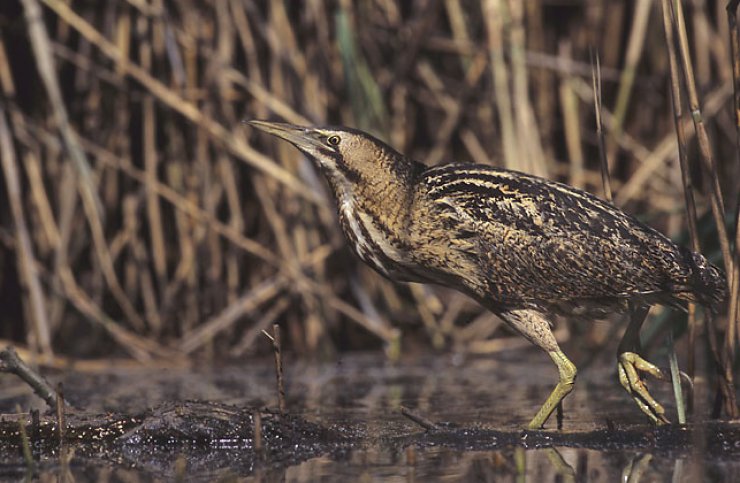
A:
[60,414]
[277,349]
[35,424]
[181,469]
[10,362]
[419,419]
[635,469]
[676,380]
[257,419]
[25,442]
[411,456]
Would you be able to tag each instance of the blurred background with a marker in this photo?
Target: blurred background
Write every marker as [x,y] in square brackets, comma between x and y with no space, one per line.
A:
[141,218]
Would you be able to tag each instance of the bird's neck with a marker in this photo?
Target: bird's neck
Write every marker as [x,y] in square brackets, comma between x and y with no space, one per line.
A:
[385,193]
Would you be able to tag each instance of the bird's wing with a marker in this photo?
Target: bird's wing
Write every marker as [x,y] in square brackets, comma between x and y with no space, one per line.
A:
[541,241]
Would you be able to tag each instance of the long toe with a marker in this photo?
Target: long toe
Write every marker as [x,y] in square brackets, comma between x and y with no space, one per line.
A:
[628,365]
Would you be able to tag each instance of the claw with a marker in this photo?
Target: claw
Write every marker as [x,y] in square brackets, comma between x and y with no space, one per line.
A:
[629,363]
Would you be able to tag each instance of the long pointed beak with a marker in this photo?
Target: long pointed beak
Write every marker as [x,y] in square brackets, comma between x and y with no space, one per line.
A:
[301,137]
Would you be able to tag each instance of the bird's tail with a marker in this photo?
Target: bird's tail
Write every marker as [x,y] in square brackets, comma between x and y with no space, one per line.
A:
[708,283]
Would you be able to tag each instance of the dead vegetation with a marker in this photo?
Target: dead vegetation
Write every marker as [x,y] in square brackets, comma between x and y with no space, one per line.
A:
[142,216]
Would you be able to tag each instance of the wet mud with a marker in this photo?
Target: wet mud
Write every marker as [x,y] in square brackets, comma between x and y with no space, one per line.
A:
[344,421]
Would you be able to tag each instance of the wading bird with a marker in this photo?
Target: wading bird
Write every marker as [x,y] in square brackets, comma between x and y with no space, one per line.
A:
[523,247]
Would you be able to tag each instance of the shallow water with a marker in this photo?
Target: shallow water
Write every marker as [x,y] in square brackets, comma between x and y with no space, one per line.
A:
[479,403]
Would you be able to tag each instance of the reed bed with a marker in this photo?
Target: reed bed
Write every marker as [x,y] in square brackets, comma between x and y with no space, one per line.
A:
[141,217]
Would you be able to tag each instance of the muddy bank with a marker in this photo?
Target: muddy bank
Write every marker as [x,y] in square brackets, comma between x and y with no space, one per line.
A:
[345,419]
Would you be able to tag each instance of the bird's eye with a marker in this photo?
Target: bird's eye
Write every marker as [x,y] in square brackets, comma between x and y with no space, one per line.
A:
[333,140]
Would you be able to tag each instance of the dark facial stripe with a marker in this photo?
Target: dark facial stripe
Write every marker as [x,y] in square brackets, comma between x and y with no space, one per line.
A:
[339,166]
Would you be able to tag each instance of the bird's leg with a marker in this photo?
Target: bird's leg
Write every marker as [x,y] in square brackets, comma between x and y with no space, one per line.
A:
[534,326]
[567,372]
[629,363]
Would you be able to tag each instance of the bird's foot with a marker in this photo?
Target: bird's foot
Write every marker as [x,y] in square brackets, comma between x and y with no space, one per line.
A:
[628,364]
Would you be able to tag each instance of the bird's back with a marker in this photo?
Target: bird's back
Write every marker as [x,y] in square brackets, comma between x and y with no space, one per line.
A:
[527,241]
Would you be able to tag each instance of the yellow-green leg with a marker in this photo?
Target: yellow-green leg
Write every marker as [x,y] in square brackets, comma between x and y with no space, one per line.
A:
[567,372]
[535,326]
[629,362]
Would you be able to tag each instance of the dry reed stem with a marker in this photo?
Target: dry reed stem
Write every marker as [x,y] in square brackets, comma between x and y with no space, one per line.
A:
[666,148]
[733,328]
[734,306]
[688,189]
[140,348]
[572,124]
[709,163]
[416,417]
[136,346]
[603,155]
[545,100]
[40,200]
[494,12]
[257,431]
[585,92]
[60,408]
[227,58]
[249,301]
[527,131]
[265,320]
[35,303]
[712,181]
[385,332]
[458,25]
[635,48]
[25,444]
[154,214]
[187,109]
[453,107]
[90,202]
[277,348]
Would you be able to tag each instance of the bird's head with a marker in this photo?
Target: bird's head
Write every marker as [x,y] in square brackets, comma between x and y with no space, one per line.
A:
[347,157]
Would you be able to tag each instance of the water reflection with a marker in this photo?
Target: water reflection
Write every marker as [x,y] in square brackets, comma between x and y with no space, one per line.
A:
[482,403]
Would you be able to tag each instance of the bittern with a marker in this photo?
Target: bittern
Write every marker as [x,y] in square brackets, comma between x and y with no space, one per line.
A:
[524,247]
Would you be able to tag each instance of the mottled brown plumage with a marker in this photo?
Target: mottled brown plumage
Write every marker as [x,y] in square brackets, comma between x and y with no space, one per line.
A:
[524,247]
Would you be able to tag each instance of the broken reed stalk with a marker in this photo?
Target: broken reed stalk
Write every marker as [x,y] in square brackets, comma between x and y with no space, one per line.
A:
[10,362]
[709,164]
[596,81]
[676,380]
[725,395]
[25,441]
[734,306]
[61,419]
[277,349]
[673,14]
[414,416]
[688,188]
[734,29]
[257,421]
